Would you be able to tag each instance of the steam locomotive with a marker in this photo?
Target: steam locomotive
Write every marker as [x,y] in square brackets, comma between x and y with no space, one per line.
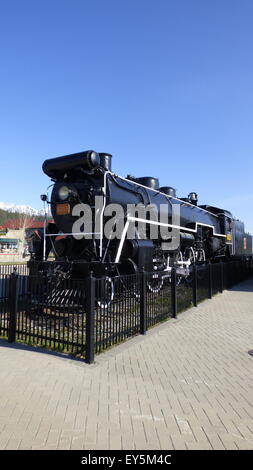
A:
[203,232]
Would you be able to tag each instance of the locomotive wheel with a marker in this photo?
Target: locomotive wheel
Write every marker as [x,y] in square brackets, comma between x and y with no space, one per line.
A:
[179,257]
[156,280]
[190,255]
[156,283]
[129,268]
[105,295]
[201,256]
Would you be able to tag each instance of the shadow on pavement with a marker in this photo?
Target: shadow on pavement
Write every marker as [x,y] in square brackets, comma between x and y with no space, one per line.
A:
[245,286]
[37,349]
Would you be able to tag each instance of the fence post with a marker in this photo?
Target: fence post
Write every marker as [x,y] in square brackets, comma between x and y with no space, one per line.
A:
[90,312]
[174,292]
[143,302]
[210,279]
[13,304]
[221,276]
[195,286]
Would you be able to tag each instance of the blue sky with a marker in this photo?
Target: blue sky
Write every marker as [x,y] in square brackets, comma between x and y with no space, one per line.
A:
[165,86]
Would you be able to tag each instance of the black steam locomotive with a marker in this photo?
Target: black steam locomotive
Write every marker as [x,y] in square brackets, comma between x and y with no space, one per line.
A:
[194,233]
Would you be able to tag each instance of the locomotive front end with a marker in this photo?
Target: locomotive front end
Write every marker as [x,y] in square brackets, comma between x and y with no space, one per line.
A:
[78,179]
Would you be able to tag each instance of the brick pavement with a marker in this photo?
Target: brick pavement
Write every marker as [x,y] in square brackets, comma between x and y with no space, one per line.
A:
[186,384]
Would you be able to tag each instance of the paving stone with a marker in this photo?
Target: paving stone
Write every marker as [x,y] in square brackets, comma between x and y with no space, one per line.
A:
[186,384]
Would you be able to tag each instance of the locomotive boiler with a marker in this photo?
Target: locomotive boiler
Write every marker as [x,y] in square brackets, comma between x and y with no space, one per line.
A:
[148,226]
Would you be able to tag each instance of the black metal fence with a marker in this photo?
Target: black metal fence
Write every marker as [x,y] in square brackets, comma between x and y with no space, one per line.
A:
[86,317]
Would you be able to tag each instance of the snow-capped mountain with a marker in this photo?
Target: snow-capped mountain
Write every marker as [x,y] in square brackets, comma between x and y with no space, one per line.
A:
[22,209]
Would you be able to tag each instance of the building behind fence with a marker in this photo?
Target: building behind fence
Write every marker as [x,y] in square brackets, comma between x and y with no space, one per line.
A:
[86,317]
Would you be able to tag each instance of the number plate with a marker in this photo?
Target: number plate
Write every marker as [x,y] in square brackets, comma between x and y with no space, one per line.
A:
[62,209]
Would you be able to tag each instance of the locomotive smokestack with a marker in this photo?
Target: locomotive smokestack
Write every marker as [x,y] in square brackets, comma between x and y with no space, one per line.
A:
[106,161]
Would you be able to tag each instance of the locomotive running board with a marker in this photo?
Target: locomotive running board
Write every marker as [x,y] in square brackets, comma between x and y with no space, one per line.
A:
[162,224]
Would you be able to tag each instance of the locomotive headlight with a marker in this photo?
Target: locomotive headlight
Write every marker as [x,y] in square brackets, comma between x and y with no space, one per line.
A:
[63,193]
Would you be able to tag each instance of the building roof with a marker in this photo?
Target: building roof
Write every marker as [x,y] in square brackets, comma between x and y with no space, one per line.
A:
[15,224]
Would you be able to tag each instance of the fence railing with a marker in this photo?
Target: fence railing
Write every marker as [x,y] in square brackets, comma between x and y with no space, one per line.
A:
[85,317]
